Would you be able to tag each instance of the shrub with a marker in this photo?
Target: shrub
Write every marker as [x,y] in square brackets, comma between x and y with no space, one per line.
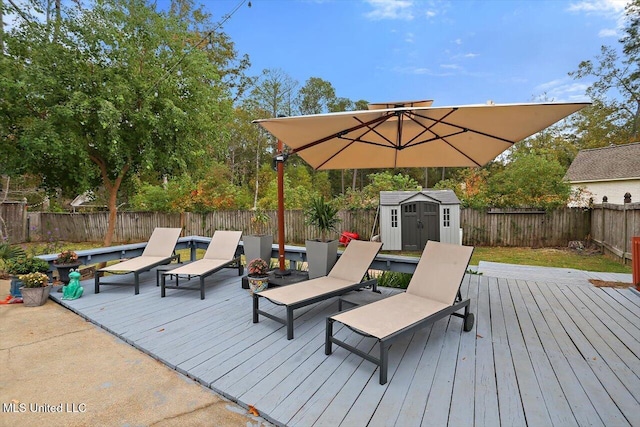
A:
[26,265]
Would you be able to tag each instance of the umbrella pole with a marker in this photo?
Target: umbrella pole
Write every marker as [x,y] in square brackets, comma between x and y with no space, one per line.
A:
[282,271]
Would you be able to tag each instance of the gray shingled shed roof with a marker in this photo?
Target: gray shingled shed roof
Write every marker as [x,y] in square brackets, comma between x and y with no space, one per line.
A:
[393,198]
[608,163]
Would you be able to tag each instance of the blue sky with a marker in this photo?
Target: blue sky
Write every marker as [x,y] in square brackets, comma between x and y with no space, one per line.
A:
[454,52]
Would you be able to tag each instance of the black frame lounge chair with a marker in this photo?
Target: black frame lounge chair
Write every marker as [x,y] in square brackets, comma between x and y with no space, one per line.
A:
[160,250]
[222,252]
[345,276]
[433,293]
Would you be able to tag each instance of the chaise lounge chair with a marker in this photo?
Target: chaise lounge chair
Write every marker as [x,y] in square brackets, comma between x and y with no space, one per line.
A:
[433,293]
[345,276]
[159,250]
[221,253]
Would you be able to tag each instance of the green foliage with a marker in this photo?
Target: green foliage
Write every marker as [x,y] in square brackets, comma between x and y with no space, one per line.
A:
[323,215]
[533,181]
[259,221]
[394,279]
[369,196]
[8,252]
[26,265]
[470,186]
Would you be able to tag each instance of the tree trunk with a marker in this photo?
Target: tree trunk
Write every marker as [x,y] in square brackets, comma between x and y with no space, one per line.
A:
[426,177]
[353,182]
[113,215]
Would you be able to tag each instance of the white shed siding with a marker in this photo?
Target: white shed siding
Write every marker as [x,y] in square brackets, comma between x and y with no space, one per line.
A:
[614,190]
[391,226]
[390,236]
[450,234]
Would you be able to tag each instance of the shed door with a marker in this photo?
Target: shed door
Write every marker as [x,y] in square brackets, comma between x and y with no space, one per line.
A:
[420,222]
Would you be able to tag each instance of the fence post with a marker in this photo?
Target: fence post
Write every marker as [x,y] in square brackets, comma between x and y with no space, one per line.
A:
[635,260]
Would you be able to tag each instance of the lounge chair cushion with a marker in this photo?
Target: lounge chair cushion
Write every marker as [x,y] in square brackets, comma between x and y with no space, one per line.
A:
[135,264]
[223,245]
[162,242]
[355,260]
[305,290]
[221,251]
[382,318]
[439,271]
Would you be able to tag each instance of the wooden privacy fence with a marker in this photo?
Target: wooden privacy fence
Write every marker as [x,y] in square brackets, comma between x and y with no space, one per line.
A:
[138,226]
[480,228]
[524,227]
[614,226]
[13,221]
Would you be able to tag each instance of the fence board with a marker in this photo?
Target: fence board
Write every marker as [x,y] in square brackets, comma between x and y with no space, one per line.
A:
[13,221]
[480,228]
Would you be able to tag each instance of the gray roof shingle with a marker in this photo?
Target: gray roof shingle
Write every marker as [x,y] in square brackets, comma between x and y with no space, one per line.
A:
[393,198]
[607,163]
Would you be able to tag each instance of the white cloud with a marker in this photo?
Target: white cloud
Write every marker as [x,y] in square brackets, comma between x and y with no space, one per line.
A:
[471,55]
[430,13]
[608,32]
[409,38]
[562,90]
[390,9]
[458,41]
[609,9]
[599,6]
[451,66]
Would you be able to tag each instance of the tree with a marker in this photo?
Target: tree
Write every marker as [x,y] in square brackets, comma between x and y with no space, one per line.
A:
[529,180]
[102,105]
[316,96]
[616,74]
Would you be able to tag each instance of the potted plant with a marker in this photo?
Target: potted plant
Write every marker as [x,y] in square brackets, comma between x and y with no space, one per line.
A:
[35,289]
[258,277]
[321,253]
[9,252]
[21,266]
[258,244]
[66,261]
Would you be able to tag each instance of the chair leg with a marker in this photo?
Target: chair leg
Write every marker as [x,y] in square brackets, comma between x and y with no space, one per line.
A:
[289,323]
[327,338]
[384,362]
[201,287]
[162,285]
[255,308]
[97,282]
[136,283]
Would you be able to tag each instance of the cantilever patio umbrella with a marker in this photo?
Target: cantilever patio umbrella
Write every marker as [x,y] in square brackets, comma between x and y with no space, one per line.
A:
[412,134]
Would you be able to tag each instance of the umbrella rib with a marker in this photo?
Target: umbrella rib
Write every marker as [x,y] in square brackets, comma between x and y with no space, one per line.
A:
[441,121]
[341,133]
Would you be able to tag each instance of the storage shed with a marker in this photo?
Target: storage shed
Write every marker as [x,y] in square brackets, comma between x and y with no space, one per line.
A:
[409,218]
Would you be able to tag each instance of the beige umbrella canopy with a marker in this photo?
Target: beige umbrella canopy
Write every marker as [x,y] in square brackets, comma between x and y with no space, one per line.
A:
[414,134]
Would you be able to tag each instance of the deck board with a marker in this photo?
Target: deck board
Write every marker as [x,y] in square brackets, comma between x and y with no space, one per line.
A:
[540,353]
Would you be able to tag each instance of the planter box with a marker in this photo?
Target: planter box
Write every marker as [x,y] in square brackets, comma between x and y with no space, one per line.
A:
[34,297]
[258,247]
[321,256]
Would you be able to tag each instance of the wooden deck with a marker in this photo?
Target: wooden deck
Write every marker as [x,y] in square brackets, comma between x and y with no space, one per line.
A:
[540,354]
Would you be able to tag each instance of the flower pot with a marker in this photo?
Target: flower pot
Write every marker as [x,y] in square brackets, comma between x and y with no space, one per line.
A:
[16,285]
[34,297]
[258,284]
[64,270]
[321,256]
[258,247]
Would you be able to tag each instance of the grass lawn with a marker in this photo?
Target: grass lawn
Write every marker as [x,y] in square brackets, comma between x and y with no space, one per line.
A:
[546,257]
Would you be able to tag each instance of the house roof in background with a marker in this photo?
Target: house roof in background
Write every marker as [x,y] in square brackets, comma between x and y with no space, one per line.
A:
[393,198]
[607,163]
